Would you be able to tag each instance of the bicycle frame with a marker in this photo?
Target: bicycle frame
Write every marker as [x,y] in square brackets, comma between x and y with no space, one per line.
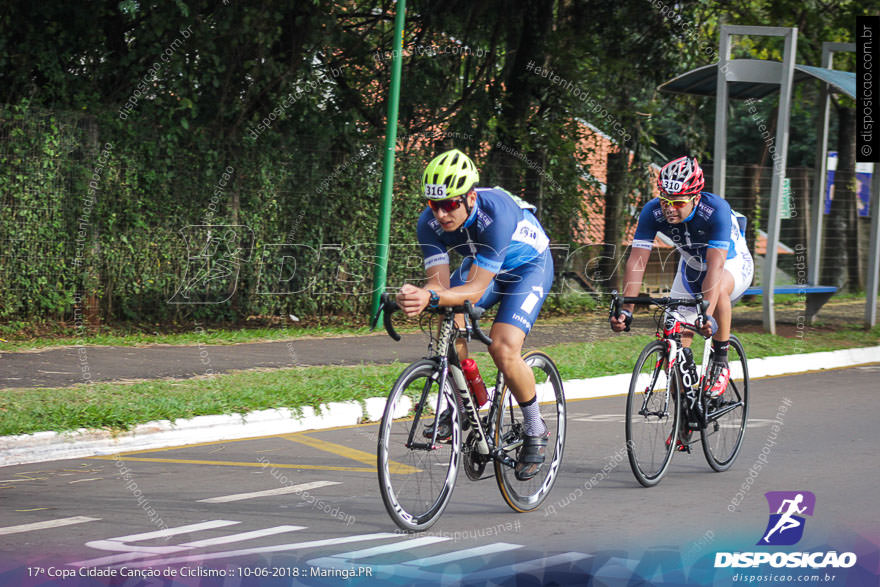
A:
[446,357]
[675,360]
[685,403]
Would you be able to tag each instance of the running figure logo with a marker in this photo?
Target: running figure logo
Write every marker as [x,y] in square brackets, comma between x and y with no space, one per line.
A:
[786,525]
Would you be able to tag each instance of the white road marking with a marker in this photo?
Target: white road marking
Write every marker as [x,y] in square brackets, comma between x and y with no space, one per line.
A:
[243,536]
[112,559]
[614,418]
[134,552]
[269,492]
[175,531]
[47,524]
[415,569]
[264,549]
[397,547]
[120,544]
[463,554]
[527,566]
[83,480]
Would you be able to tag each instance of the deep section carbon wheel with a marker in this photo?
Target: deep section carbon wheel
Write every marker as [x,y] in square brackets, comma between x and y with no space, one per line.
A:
[728,413]
[524,496]
[416,478]
[652,416]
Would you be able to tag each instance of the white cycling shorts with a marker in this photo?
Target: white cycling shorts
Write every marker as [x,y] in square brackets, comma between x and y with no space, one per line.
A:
[691,272]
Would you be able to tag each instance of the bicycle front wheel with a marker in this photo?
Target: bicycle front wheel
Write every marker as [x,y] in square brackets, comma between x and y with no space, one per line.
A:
[727,414]
[652,416]
[524,496]
[416,480]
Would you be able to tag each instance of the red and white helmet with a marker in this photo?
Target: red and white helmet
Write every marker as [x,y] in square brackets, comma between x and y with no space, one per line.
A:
[681,177]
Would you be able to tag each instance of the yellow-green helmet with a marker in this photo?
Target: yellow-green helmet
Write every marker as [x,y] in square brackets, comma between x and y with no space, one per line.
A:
[449,175]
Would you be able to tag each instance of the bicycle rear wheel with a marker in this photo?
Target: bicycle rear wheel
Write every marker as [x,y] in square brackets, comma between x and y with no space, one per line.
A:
[652,416]
[524,496]
[417,483]
[727,414]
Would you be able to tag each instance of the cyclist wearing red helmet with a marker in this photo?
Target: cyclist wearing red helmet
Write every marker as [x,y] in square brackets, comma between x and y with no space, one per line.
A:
[715,260]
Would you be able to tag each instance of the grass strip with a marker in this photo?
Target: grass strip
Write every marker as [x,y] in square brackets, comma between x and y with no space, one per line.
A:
[212,336]
[16,339]
[117,407]
[567,308]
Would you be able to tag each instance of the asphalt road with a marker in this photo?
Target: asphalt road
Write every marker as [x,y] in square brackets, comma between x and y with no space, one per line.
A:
[62,367]
[204,509]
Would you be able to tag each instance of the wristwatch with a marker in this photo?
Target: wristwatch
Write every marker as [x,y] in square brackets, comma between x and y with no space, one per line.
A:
[435,299]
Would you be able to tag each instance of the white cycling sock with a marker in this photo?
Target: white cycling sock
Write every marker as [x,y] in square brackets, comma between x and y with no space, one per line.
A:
[533,424]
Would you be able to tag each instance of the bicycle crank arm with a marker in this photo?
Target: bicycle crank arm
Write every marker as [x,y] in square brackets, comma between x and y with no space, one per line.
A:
[501,456]
[426,446]
[718,413]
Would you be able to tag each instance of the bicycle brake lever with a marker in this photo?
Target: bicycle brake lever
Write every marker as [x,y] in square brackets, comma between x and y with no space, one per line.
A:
[474,313]
[614,310]
[386,309]
[468,331]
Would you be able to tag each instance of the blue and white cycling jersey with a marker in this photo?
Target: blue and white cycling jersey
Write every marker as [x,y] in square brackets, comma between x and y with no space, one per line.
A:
[711,225]
[499,235]
[503,236]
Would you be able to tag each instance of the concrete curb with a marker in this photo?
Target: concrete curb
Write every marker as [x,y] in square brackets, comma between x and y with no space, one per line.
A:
[51,446]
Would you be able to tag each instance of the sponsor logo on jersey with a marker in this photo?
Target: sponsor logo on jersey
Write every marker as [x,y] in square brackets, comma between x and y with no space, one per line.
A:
[529,234]
[483,220]
[705,210]
[434,225]
[522,320]
[439,259]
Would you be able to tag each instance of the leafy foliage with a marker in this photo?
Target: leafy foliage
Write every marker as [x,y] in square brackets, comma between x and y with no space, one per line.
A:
[291,97]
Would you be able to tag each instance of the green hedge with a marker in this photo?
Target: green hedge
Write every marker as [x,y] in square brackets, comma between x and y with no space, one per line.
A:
[117,213]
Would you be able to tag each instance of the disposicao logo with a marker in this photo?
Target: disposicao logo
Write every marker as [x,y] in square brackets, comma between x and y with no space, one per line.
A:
[785,528]
[786,524]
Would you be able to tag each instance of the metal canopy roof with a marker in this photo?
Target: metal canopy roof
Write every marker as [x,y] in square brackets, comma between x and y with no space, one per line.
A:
[754,78]
[703,81]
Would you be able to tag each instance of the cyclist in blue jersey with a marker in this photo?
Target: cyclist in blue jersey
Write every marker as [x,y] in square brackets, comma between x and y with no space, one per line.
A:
[715,260]
[506,261]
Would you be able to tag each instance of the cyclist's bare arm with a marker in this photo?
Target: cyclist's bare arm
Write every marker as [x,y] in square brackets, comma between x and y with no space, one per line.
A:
[635,271]
[438,277]
[632,282]
[413,300]
[715,259]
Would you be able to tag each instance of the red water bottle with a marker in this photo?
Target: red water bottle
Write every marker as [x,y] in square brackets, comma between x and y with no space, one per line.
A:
[475,381]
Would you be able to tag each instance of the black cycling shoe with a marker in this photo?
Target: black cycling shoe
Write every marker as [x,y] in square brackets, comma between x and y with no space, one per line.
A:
[444,427]
[531,456]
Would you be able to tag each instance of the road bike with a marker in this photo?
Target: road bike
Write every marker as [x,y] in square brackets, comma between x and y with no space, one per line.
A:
[417,471]
[668,396]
